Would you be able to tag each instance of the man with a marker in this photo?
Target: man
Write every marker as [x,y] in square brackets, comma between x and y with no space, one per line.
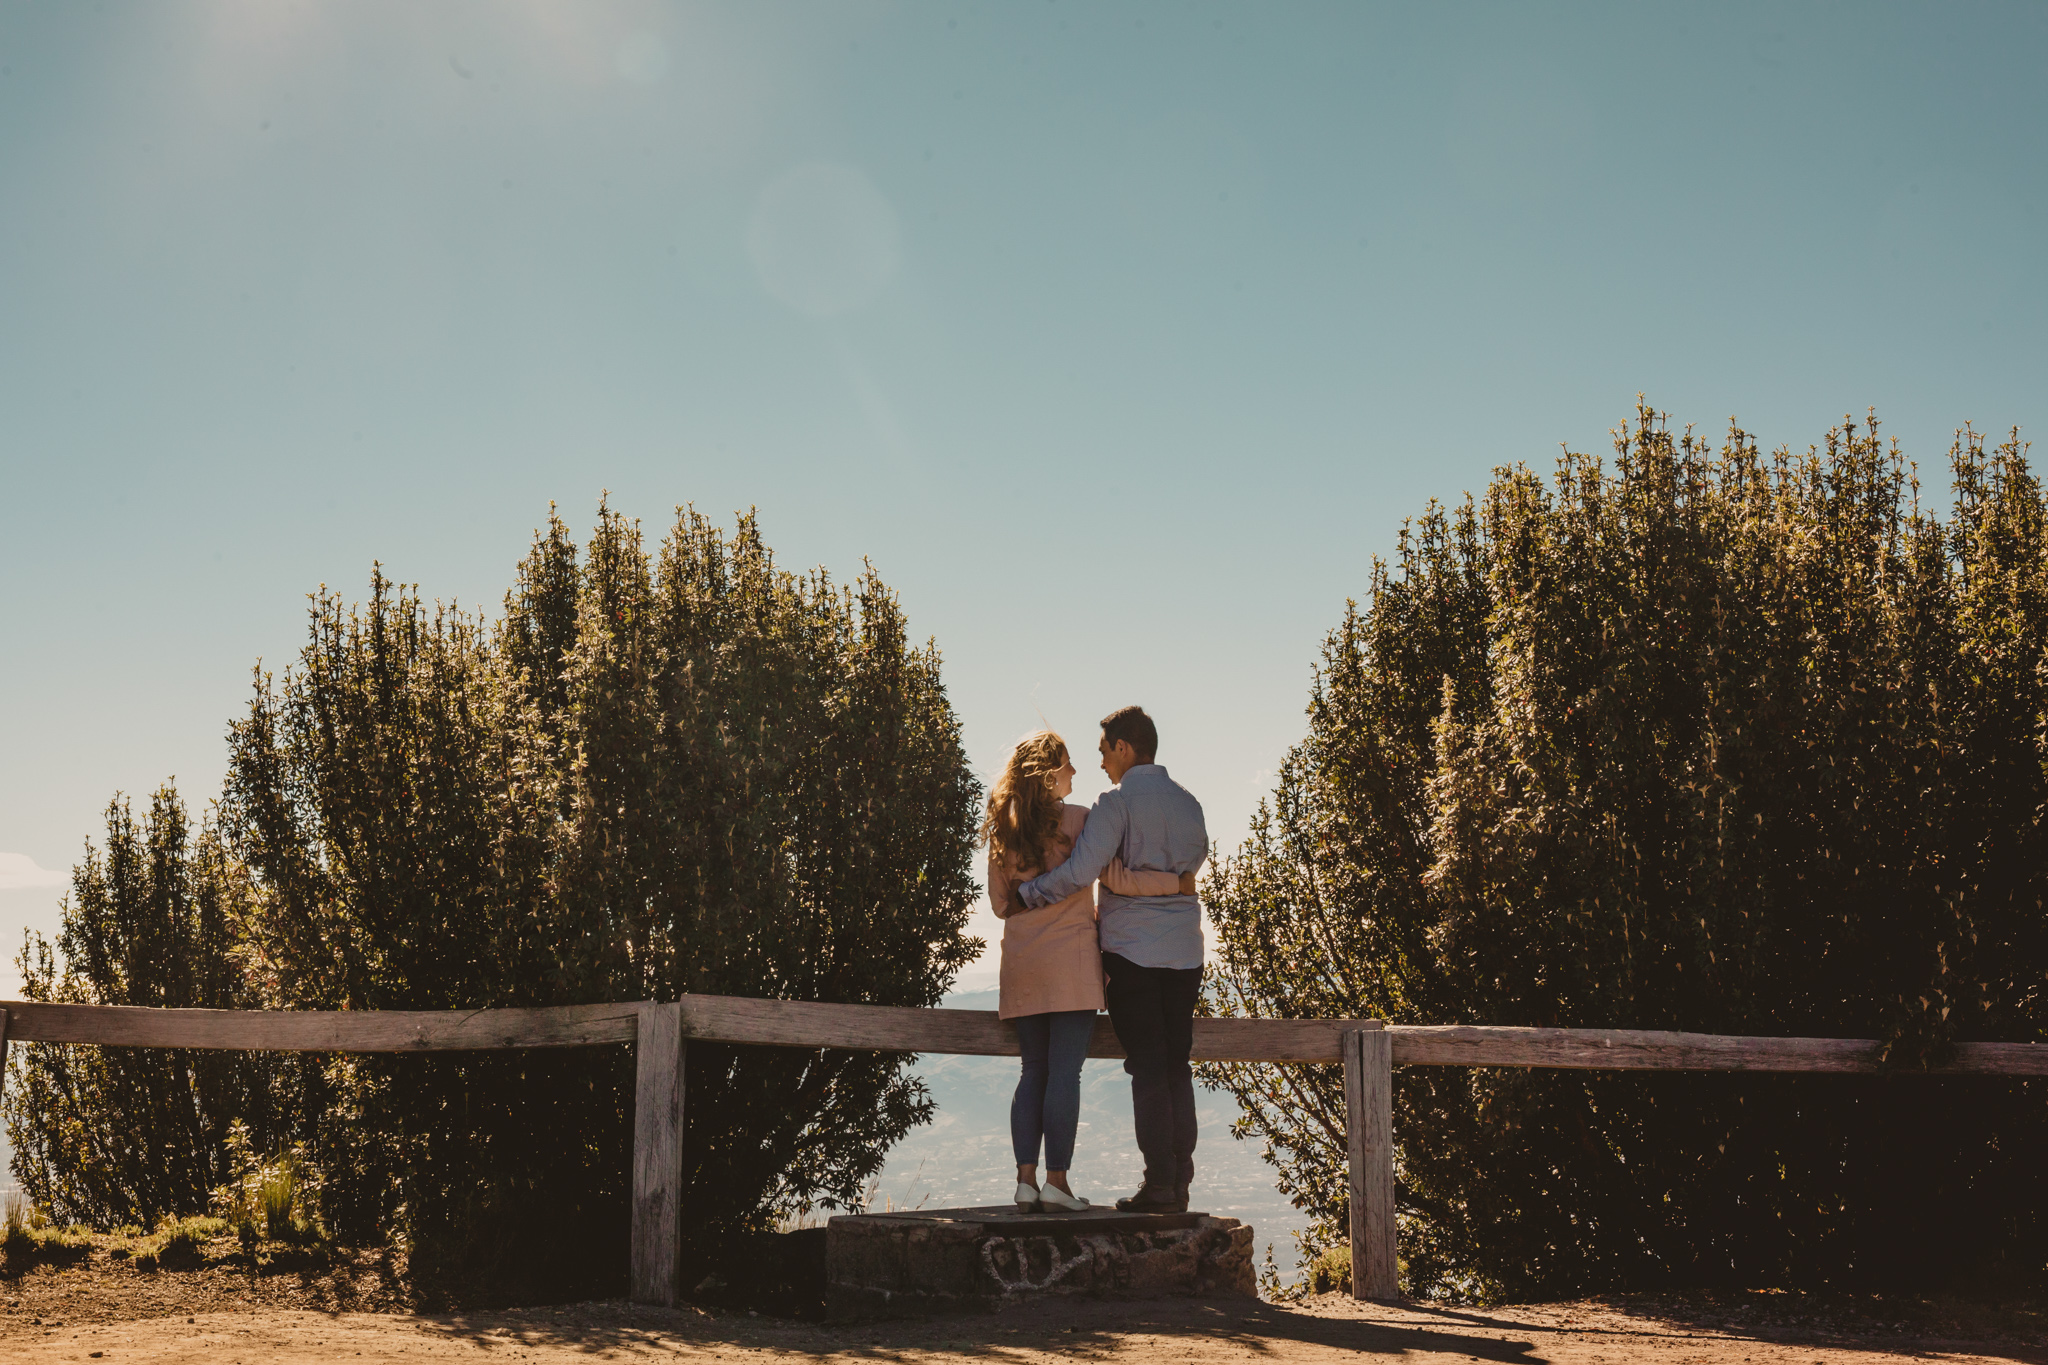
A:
[1151,946]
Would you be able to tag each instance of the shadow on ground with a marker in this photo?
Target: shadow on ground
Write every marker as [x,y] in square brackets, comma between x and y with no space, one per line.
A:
[1764,1329]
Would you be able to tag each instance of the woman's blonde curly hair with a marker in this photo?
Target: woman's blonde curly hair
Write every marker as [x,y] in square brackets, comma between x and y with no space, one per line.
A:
[1023,816]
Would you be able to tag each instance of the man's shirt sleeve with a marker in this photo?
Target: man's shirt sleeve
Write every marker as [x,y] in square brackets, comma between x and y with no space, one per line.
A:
[1100,839]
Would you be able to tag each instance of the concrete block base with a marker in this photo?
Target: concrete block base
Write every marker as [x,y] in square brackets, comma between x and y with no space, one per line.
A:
[974,1260]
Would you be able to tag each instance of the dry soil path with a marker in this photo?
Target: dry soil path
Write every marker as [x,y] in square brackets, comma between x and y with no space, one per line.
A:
[1741,1330]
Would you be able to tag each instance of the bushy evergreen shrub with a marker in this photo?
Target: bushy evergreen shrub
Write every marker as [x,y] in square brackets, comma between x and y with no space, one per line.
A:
[106,1136]
[1704,740]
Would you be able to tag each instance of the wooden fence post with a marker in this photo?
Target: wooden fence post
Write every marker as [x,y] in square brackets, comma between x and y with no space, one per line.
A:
[1369,1124]
[658,1155]
[3,1054]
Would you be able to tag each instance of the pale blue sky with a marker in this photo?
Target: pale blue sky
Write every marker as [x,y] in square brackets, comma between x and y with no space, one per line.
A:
[1120,336]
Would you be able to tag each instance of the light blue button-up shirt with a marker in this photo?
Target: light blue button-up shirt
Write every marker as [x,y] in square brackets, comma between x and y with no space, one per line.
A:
[1156,824]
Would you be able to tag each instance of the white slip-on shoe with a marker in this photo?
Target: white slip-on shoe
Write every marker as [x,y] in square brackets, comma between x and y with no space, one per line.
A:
[1055,1198]
[1028,1199]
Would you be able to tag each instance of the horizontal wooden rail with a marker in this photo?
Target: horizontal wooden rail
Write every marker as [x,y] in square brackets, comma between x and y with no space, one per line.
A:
[794,1023]
[1649,1050]
[322,1030]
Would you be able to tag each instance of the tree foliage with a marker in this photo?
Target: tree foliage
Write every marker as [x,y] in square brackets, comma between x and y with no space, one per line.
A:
[657,772]
[1704,740]
[127,1135]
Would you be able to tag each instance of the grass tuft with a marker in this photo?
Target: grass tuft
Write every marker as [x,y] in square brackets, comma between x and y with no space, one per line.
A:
[1330,1272]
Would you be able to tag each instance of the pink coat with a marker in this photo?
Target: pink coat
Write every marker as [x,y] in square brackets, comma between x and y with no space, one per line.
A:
[1051,960]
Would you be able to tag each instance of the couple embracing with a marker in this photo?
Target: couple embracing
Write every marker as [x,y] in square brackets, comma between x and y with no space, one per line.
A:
[1136,949]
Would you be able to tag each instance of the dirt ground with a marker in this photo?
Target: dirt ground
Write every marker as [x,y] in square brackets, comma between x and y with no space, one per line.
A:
[352,1307]
[43,1319]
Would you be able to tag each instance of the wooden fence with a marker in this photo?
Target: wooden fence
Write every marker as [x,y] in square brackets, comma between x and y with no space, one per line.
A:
[661,1033]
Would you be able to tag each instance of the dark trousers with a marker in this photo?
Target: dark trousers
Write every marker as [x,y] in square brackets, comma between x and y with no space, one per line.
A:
[1153,1010]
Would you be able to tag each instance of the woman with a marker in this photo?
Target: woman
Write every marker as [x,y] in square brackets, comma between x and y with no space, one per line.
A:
[1051,966]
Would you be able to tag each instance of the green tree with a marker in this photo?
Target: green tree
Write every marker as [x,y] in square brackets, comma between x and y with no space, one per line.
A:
[116,1135]
[765,795]
[1708,740]
[392,799]
[694,772]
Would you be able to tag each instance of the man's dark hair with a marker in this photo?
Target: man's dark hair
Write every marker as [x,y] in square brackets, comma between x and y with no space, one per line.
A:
[1131,725]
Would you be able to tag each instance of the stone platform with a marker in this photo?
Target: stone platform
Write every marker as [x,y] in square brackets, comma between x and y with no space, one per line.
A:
[928,1261]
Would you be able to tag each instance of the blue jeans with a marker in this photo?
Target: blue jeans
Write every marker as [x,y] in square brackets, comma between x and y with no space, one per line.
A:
[1048,1099]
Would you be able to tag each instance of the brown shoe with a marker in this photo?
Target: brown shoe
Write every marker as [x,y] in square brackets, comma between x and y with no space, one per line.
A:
[1152,1200]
